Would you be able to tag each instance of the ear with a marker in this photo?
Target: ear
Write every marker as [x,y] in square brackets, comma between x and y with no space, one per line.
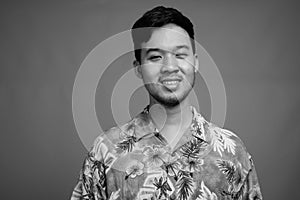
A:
[196,66]
[137,69]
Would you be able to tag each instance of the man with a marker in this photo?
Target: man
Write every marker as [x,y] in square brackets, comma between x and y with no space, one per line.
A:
[168,151]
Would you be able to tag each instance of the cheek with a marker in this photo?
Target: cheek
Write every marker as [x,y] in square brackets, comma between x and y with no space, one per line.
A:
[150,73]
[187,65]
[188,70]
[189,75]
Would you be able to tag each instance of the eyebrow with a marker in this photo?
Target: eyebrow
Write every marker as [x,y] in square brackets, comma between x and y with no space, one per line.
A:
[182,47]
[149,50]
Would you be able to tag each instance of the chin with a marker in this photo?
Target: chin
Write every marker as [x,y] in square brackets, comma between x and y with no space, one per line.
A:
[167,98]
[169,101]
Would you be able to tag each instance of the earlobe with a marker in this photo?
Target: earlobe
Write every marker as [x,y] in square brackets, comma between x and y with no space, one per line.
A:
[137,69]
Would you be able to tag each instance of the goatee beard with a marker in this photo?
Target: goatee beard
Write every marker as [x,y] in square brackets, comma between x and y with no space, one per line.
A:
[168,102]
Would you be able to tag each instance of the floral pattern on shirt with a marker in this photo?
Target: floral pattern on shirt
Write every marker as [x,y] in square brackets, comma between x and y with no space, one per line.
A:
[134,161]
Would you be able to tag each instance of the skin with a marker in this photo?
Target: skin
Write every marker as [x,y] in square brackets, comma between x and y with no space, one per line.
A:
[166,56]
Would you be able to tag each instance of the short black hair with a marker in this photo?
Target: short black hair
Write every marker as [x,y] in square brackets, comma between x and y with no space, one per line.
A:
[155,18]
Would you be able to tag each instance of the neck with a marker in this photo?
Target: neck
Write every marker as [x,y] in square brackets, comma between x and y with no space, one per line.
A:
[176,116]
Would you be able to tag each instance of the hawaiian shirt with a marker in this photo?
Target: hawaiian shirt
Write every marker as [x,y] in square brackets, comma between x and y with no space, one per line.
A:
[135,162]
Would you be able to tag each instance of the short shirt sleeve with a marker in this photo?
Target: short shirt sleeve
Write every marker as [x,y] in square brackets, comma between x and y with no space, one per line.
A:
[92,178]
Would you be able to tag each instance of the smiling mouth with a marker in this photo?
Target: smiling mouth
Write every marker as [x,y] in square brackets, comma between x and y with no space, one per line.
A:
[171,84]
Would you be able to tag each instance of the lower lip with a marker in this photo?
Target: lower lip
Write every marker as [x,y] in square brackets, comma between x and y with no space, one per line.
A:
[171,86]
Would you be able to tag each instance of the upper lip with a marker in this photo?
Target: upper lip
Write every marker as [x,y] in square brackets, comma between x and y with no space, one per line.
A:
[171,79]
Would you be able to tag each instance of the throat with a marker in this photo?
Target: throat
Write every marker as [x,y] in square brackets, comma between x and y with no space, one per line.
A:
[171,123]
[173,134]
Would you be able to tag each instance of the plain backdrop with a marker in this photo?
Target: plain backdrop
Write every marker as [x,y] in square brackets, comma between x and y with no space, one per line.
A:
[255,45]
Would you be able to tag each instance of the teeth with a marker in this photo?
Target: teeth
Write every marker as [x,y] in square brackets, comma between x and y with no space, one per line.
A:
[170,82]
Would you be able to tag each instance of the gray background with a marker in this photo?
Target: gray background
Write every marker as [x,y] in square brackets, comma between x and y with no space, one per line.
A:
[255,44]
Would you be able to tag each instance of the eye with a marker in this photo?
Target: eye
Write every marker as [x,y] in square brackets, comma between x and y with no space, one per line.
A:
[181,55]
[154,58]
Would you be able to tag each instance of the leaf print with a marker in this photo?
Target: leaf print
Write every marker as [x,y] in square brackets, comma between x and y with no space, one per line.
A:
[240,194]
[198,138]
[114,195]
[126,145]
[237,176]
[191,164]
[233,176]
[221,140]
[88,180]
[228,133]
[206,194]
[229,144]
[217,142]
[97,163]
[87,184]
[100,168]
[163,186]
[227,168]
[134,169]
[171,166]
[185,185]
[103,163]
[192,148]
[198,128]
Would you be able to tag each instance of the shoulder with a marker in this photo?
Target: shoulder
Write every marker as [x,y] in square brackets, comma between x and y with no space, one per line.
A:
[231,158]
[107,140]
[228,145]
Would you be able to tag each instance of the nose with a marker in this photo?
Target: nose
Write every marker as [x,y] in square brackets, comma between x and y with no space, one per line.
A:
[169,64]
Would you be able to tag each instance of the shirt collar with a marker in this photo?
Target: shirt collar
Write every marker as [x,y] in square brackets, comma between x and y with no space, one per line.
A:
[197,126]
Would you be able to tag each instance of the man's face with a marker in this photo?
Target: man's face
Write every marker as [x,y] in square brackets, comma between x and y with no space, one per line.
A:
[168,65]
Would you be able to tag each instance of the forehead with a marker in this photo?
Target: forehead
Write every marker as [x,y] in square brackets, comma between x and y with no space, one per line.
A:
[167,38]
